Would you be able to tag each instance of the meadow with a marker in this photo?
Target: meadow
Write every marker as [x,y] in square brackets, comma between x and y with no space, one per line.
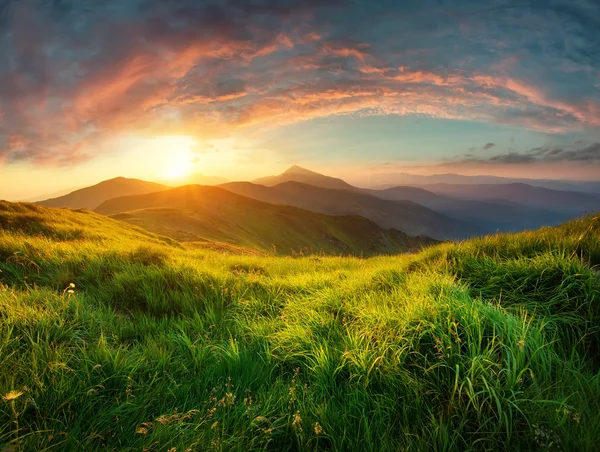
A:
[114,338]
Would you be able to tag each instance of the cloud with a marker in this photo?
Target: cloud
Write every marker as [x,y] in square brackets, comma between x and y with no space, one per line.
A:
[588,154]
[76,73]
[512,157]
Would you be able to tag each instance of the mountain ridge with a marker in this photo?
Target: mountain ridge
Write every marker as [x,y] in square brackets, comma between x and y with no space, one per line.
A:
[194,212]
[407,216]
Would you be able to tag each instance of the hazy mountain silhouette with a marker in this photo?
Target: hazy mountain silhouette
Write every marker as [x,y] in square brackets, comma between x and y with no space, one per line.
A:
[387,180]
[298,174]
[92,197]
[195,213]
[406,216]
[526,195]
[482,214]
[500,215]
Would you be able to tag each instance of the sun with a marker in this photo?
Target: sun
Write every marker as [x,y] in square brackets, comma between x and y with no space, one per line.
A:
[178,159]
[178,169]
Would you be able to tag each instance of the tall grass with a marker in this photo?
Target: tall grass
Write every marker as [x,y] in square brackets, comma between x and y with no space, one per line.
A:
[112,338]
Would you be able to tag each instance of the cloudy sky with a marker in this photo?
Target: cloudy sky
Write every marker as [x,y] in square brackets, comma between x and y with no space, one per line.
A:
[244,88]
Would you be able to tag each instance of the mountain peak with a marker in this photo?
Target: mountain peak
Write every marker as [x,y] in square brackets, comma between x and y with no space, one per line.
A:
[295,169]
[298,174]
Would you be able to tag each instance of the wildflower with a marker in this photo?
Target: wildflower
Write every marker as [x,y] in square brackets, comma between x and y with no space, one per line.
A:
[297,422]
[141,430]
[318,429]
[12,395]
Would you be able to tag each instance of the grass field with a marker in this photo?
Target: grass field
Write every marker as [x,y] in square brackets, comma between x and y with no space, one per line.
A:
[112,338]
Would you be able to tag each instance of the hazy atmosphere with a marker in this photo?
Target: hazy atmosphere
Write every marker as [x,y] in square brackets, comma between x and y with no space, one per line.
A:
[158,90]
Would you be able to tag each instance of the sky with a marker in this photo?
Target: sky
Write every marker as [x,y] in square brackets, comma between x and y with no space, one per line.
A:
[158,90]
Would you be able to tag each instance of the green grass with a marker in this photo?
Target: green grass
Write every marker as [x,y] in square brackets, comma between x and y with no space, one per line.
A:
[490,344]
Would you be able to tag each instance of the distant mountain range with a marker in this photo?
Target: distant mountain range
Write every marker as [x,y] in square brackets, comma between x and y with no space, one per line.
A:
[200,213]
[491,214]
[406,216]
[496,208]
[300,209]
[523,194]
[387,180]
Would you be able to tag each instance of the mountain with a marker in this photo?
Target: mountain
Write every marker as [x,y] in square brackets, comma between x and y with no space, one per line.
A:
[200,213]
[298,174]
[498,215]
[406,216]
[569,202]
[387,180]
[487,214]
[92,197]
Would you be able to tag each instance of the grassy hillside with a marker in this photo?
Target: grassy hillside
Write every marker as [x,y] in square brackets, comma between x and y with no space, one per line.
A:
[92,197]
[195,213]
[112,338]
[405,216]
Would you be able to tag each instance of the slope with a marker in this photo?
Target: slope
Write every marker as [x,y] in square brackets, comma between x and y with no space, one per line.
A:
[92,197]
[197,212]
[406,216]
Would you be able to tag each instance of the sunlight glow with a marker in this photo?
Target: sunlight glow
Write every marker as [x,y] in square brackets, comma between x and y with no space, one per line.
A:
[179,169]
[178,162]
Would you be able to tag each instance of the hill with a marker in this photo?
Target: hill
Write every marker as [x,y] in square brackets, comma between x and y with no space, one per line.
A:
[114,338]
[92,197]
[197,212]
[406,216]
[526,195]
[298,174]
